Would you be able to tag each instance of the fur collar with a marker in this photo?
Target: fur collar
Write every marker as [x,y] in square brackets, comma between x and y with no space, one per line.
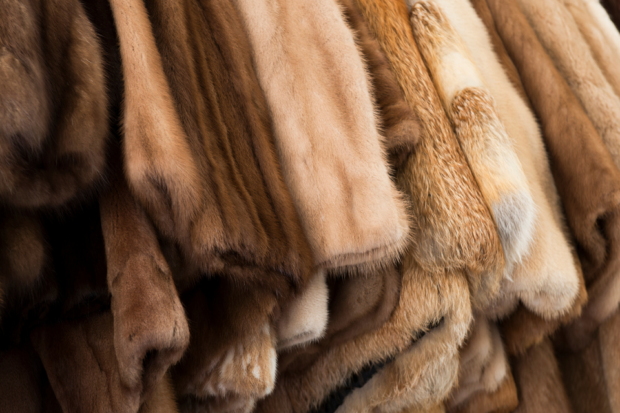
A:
[53,108]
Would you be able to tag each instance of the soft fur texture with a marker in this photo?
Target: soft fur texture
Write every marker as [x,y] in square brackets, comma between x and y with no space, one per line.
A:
[81,365]
[452,227]
[613,8]
[400,125]
[421,375]
[587,179]
[559,34]
[601,36]
[544,277]
[484,365]
[319,97]
[539,381]
[473,114]
[502,400]
[53,106]
[150,328]
[304,320]
[357,306]
[198,145]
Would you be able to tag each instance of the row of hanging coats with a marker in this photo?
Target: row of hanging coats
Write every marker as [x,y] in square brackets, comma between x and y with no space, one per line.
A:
[280,206]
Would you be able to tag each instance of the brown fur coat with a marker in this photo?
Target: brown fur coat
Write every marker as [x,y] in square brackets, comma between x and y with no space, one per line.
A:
[319,96]
[587,179]
[150,329]
[53,105]
[543,277]
[199,154]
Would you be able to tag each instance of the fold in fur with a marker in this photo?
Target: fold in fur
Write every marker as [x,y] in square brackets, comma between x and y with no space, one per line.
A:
[539,381]
[502,400]
[483,365]
[198,145]
[473,114]
[446,201]
[422,373]
[320,99]
[304,320]
[150,329]
[53,106]
[544,277]
[586,178]
[357,306]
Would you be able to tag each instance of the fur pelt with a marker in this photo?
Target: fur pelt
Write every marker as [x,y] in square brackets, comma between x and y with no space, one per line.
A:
[399,123]
[198,145]
[422,373]
[601,36]
[150,328]
[539,381]
[543,277]
[357,306]
[304,319]
[502,400]
[473,115]
[446,201]
[320,99]
[573,58]
[53,106]
[586,178]
[162,399]
[232,351]
[483,364]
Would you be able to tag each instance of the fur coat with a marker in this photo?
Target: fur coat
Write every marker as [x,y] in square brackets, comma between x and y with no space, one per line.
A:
[601,36]
[613,8]
[573,58]
[543,277]
[198,144]
[150,328]
[53,106]
[473,115]
[485,380]
[320,99]
[586,177]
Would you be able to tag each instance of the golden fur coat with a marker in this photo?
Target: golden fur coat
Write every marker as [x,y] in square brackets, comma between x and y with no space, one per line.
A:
[543,277]
[326,131]
[53,106]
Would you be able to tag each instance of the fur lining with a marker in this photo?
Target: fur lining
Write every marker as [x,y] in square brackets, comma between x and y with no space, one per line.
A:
[198,149]
[53,105]
[319,97]
[472,111]
[150,329]
[304,320]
